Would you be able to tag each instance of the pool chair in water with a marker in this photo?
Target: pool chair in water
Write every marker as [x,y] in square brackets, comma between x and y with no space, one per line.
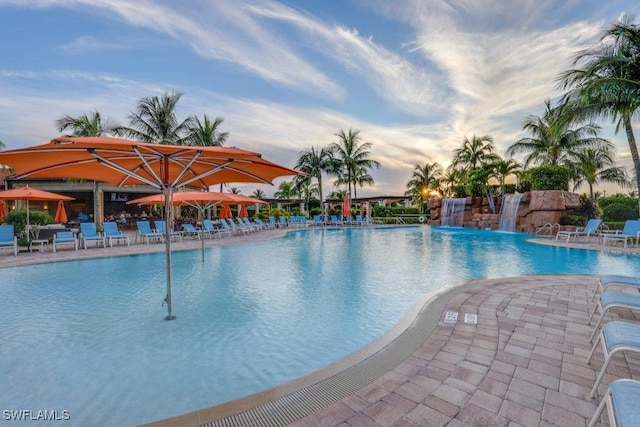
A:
[112,233]
[64,238]
[615,280]
[161,227]
[8,238]
[146,234]
[621,401]
[591,229]
[609,300]
[616,336]
[89,233]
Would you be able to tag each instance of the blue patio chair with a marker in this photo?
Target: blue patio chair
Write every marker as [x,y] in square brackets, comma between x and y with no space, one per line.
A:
[227,227]
[242,226]
[591,229]
[208,225]
[191,231]
[609,300]
[263,225]
[615,337]
[359,220]
[293,221]
[146,234]
[88,232]
[317,220]
[282,221]
[111,233]
[8,238]
[631,231]
[272,222]
[621,401]
[302,220]
[335,220]
[161,227]
[615,280]
[64,237]
[349,220]
[254,225]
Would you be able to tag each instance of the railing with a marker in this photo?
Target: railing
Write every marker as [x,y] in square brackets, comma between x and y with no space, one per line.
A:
[548,230]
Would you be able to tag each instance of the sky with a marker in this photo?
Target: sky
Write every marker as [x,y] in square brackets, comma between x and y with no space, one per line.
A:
[415,77]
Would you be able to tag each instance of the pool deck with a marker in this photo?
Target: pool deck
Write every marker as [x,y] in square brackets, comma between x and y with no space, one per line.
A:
[523,362]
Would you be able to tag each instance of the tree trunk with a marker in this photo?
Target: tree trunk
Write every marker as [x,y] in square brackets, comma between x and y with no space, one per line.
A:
[633,148]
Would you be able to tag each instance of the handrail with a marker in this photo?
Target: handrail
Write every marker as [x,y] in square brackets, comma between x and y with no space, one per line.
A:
[547,230]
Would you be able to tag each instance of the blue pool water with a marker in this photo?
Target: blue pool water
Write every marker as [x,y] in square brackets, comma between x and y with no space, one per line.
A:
[88,337]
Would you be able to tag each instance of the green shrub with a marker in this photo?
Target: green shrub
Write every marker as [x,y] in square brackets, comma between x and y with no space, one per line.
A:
[615,225]
[549,177]
[619,212]
[577,220]
[588,209]
[632,202]
[277,212]
[18,218]
[315,211]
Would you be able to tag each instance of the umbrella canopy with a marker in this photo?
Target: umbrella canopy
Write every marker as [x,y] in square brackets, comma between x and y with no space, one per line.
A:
[28,193]
[61,213]
[346,206]
[243,211]
[3,211]
[124,162]
[225,212]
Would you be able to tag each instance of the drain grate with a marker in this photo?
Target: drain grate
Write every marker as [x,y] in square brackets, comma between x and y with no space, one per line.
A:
[313,398]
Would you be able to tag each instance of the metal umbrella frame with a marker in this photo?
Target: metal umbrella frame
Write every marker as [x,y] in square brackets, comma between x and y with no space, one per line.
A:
[124,162]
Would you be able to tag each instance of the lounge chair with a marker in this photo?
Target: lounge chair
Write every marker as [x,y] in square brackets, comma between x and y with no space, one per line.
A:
[63,238]
[282,221]
[609,300]
[89,232]
[293,221]
[615,336]
[262,224]
[302,220]
[228,228]
[239,226]
[359,220]
[631,231]
[191,231]
[615,280]
[246,225]
[111,233]
[335,220]
[349,220]
[8,238]
[209,226]
[272,222]
[146,233]
[591,229]
[161,227]
[317,220]
[621,401]
[254,225]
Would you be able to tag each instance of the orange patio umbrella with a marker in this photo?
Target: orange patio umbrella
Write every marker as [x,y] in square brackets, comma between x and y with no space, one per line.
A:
[3,211]
[29,193]
[200,200]
[346,206]
[225,212]
[243,212]
[124,162]
[61,213]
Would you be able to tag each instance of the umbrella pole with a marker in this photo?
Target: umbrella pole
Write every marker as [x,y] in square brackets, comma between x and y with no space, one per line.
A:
[167,241]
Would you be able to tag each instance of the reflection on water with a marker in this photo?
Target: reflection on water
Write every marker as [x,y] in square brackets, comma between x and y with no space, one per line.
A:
[89,336]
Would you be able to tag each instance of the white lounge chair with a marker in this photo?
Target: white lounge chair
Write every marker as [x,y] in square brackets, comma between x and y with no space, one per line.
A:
[630,232]
[8,238]
[621,402]
[88,232]
[609,300]
[615,280]
[112,233]
[64,237]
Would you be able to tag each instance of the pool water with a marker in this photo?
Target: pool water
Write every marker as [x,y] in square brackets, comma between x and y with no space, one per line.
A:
[88,337]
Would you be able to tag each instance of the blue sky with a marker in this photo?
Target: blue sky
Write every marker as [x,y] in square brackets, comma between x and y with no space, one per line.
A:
[415,77]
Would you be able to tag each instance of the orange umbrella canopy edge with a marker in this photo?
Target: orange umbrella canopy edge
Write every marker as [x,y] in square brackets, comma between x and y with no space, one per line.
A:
[30,193]
[125,162]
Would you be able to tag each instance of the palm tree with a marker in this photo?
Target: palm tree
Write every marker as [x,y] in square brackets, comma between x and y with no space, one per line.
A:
[353,157]
[259,194]
[595,165]
[474,152]
[286,191]
[501,169]
[155,121]
[205,133]
[85,125]
[606,84]
[425,178]
[234,190]
[314,162]
[553,140]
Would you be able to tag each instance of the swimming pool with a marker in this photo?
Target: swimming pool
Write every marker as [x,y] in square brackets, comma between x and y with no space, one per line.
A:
[89,337]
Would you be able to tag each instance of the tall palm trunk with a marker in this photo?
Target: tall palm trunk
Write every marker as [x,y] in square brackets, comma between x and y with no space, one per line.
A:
[633,148]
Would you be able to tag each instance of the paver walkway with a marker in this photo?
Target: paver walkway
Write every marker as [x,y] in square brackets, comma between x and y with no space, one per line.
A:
[523,363]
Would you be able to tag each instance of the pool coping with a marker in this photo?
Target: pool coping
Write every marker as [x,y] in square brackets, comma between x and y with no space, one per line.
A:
[293,400]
